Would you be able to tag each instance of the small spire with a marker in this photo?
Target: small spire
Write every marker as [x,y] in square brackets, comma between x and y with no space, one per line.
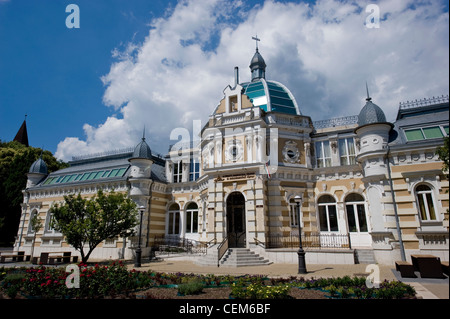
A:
[143,134]
[368,96]
[22,135]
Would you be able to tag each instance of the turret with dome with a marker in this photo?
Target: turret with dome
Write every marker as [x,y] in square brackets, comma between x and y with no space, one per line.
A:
[373,134]
[37,172]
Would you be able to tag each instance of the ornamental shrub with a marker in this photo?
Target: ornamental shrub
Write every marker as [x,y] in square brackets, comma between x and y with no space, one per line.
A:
[190,286]
[259,291]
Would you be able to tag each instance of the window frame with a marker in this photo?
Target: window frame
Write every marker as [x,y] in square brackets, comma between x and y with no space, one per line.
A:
[293,222]
[178,172]
[354,204]
[194,169]
[173,220]
[348,156]
[441,127]
[326,206]
[423,194]
[321,158]
[191,219]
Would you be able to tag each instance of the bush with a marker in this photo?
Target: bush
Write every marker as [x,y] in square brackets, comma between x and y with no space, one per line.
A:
[95,282]
[259,291]
[12,283]
[190,286]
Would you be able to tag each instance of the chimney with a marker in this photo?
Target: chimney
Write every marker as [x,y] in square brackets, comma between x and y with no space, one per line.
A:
[236,76]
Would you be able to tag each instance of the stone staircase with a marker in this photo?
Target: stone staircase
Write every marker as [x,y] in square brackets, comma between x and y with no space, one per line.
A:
[364,256]
[241,257]
[234,257]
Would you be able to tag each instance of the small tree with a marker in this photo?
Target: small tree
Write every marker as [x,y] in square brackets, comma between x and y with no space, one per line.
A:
[36,225]
[91,221]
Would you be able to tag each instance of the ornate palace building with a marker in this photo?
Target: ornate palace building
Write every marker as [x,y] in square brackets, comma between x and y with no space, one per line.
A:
[360,189]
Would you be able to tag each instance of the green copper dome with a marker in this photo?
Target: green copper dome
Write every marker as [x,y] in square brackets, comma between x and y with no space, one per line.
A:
[271,96]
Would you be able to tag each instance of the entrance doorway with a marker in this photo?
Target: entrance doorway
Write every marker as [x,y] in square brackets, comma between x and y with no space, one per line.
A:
[236,220]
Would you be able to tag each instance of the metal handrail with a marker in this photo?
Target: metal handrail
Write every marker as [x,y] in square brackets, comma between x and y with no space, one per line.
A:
[222,249]
[259,242]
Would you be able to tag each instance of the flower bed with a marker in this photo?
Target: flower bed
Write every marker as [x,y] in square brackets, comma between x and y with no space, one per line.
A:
[109,281]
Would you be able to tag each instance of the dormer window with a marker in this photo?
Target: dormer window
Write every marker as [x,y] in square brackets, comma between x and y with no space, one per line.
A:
[425,133]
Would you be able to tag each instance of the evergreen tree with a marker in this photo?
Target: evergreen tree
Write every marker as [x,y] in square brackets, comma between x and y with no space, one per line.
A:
[15,162]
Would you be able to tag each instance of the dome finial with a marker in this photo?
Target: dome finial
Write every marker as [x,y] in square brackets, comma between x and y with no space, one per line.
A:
[143,134]
[368,96]
[256,40]
[257,64]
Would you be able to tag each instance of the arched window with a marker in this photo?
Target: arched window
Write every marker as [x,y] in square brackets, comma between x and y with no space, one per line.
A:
[174,219]
[327,213]
[356,213]
[192,218]
[425,202]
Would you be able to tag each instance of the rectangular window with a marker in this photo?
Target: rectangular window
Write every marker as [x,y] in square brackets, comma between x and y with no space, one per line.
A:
[65,179]
[293,214]
[194,169]
[105,174]
[114,173]
[323,218]
[323,154]
[85,176]
[423,133]
[328,218]
[347,151]
[351,219]
[121,171]
[192,221]
[174,223]
[414,135]
[91,176]
[49,180]
[177,172]
[432,132]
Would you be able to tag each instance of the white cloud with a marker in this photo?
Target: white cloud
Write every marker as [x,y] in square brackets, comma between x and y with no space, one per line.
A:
[323,53]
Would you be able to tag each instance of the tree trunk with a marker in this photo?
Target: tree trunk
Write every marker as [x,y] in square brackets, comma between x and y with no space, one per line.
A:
[85,258]
[32,247]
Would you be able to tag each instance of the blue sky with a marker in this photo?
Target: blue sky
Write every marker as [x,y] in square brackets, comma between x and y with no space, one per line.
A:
[52,73]
[162,64]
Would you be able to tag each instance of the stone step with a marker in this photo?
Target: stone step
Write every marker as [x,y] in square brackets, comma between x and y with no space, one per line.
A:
[234,257]
[364,256]
[241,257]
